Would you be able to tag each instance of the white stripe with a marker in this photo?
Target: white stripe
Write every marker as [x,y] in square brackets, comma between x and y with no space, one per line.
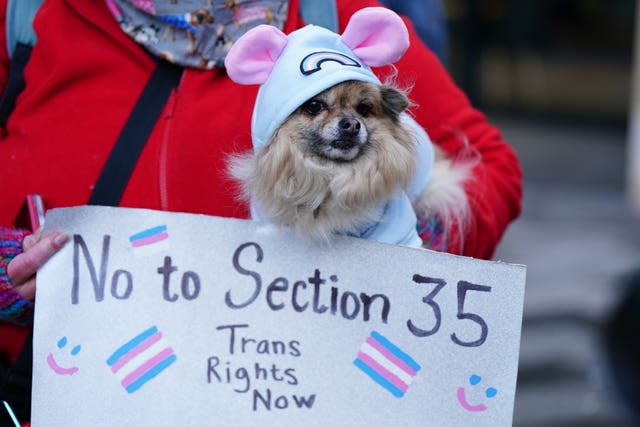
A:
[389,365]
[141,358]
[151,249]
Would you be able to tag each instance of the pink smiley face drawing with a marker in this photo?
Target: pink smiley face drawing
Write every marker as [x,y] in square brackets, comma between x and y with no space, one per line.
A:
[55,366]
[462,395]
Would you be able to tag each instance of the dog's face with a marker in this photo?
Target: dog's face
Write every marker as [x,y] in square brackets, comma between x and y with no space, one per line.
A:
[333,161]
[340,124]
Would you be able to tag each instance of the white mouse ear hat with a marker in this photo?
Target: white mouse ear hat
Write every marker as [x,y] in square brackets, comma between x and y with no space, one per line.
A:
[294,68]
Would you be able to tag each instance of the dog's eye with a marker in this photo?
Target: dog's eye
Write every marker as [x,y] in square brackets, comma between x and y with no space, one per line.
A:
[364,108]
[314,107]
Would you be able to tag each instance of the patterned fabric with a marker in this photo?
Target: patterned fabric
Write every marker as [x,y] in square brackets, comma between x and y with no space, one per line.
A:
[431,231]
[194,33]
[13,308]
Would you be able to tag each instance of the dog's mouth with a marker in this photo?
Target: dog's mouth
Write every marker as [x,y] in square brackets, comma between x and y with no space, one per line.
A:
[339,145]
[340,150]
[344,144]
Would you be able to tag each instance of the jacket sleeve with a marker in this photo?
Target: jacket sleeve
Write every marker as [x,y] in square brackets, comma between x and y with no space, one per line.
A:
[495,189]
[13,308]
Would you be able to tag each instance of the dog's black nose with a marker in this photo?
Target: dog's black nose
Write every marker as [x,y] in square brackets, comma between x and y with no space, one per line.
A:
[349,126]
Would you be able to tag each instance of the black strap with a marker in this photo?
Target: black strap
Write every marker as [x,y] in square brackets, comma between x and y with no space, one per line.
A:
[15,382]
[15,81]
[124,155]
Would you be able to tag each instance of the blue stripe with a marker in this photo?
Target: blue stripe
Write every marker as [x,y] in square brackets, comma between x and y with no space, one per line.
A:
[396,351]
[131,344]
[153,372]
[148,233]
[378,378]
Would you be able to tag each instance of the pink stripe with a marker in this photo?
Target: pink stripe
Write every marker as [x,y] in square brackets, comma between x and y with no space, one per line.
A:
[392,358]
[136,351]
[389,376]
[146,366]
[150,240]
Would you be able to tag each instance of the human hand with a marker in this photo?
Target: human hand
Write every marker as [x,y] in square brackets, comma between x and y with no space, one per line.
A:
[37,249]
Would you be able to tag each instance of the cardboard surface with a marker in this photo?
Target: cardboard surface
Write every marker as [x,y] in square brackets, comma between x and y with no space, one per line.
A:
[164,319]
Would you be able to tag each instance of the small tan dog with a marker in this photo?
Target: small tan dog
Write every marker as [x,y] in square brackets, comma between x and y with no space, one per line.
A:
[345,159]
[337,157]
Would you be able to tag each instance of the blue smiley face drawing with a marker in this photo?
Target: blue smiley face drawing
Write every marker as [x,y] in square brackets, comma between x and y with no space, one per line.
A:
[55,366]
[474,380]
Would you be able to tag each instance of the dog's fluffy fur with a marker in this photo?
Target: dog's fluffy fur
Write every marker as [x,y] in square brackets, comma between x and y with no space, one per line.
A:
[330,165]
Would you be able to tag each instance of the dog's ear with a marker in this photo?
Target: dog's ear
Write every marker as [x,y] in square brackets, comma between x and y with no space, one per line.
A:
[394,101]
[252,57]
[377,36]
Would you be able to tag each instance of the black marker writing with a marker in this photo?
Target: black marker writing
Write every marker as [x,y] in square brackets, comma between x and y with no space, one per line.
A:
[98,279]
[304,295]
[189,285]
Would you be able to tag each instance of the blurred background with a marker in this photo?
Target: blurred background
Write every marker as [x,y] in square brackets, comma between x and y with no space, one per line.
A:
[558,78]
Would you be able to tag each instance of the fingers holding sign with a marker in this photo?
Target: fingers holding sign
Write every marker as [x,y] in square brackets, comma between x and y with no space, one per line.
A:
[37,250]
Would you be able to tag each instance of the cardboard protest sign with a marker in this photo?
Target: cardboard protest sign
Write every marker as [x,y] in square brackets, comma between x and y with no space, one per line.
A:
[165,319]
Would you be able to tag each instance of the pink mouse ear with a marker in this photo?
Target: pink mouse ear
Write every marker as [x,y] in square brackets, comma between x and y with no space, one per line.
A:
[377,36]
[252,57]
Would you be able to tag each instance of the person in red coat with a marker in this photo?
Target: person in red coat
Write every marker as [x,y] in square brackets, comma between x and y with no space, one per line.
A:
[85,74]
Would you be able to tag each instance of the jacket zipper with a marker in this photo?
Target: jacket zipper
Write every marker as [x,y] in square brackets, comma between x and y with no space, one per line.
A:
[164,149]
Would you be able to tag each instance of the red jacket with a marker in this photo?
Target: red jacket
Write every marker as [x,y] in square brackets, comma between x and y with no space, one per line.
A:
[85,75]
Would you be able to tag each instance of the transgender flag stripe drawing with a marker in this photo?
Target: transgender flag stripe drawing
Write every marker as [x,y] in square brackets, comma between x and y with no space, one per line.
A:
[386,364]
[149,236]
[150,241]
[141,359]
